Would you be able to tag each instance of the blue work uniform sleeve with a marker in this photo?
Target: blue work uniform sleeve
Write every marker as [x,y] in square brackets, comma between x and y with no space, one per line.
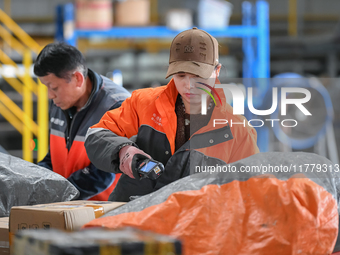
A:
[46,162]
[91,181]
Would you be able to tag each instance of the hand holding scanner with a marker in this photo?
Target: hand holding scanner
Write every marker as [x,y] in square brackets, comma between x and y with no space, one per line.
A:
[149,168]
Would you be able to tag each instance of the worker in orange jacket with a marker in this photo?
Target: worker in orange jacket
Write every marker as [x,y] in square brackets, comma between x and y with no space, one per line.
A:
[166,123]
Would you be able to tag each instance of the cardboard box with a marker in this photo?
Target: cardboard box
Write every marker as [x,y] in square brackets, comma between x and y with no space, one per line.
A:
[132,13]
[71,215]
[4,236]
[94,14]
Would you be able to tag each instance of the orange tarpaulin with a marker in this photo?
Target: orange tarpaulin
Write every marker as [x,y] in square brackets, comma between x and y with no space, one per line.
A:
[257,216]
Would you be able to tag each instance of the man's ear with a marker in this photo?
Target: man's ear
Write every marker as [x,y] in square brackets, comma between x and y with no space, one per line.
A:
[80,79]
[218,69]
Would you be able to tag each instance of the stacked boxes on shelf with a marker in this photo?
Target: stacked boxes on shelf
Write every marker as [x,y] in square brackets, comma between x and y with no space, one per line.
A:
[101,14]
[94,14]
[132,13]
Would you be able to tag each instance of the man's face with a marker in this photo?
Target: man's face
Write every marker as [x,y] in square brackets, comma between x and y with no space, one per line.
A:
[64,93]
[188,86]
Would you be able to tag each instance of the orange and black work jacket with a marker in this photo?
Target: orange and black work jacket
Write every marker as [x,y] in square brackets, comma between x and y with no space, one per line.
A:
[148,120]
[67,155]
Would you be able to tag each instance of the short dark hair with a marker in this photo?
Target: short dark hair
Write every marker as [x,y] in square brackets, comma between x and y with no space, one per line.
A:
[59,59]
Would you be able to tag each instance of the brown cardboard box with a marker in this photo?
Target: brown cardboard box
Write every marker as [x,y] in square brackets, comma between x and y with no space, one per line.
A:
[132,13]
[71,215]
[4,236]
[94,14]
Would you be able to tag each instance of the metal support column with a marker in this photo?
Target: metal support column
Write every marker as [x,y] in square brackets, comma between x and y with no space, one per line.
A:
[69,26]
[263,59]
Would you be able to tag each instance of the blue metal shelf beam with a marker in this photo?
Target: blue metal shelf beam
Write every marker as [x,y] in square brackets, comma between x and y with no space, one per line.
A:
[163,32]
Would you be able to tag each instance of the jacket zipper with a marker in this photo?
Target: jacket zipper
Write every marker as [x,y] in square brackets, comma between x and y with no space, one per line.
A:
[69,132]
[69,129]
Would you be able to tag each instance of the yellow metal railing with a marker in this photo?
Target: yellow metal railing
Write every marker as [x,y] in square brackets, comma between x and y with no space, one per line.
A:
[7,7]
[292,18]
[24,84]
[27,135]
[19,32]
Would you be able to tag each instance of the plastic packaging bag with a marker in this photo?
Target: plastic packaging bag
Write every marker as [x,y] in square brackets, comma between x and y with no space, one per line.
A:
[237,212]
[25,183]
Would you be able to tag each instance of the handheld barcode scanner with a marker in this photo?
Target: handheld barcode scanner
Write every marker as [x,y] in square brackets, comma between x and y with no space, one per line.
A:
[149,168]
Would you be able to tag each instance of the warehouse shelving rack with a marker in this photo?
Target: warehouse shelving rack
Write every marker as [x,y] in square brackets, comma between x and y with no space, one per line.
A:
[254,32]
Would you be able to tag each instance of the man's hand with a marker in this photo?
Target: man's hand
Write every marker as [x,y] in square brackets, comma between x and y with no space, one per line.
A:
[126,155]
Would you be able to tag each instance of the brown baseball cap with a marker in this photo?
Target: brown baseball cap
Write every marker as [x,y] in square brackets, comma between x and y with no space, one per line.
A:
[193,51]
